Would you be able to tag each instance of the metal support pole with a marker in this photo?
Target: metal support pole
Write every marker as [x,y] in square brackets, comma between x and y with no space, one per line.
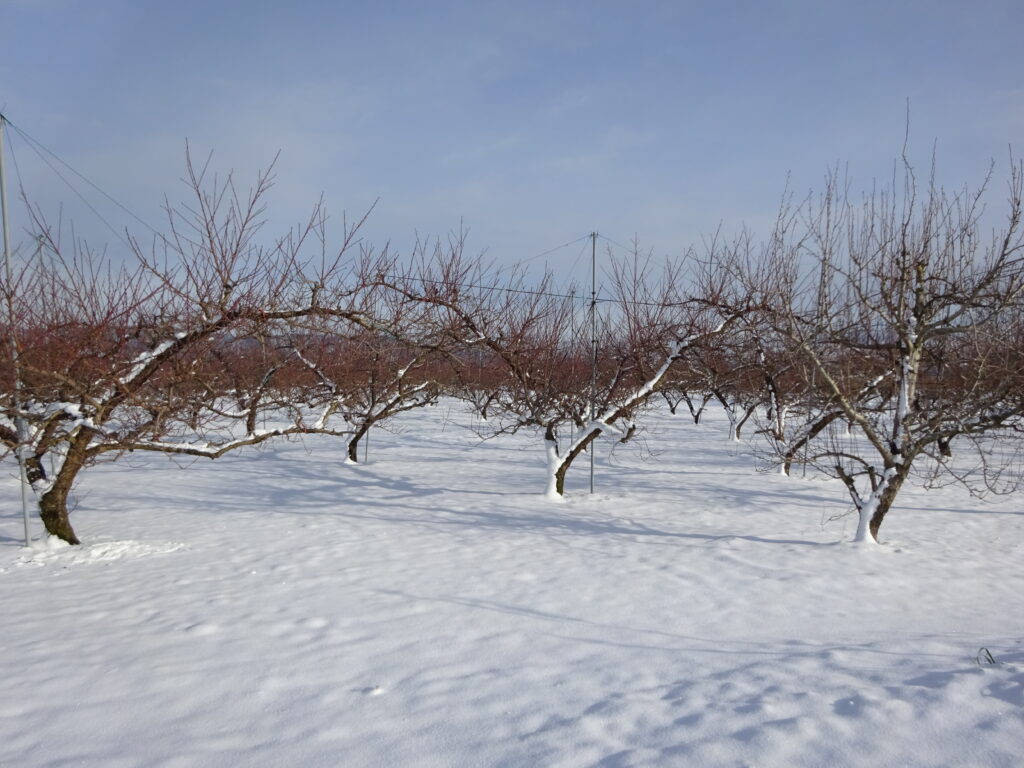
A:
[19,421]
[593,346]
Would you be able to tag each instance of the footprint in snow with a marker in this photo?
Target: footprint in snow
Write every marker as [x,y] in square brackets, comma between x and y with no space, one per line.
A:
[202,630]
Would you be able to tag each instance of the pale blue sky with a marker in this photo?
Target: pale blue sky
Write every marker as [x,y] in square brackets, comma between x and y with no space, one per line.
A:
[532,122]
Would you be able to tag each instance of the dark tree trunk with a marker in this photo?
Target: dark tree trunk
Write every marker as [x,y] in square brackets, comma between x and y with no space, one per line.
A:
[34,471]
[566,462]
[353,444]
[53,504]
[487,404]
[694,411]
[819,425]
[747,414]
[53,509]
[672,404]
[885,501]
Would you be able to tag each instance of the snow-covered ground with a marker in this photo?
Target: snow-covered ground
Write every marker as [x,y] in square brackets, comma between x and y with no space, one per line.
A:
[431,608]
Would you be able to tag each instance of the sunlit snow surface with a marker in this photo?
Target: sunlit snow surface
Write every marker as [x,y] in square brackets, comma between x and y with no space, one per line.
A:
[430,608]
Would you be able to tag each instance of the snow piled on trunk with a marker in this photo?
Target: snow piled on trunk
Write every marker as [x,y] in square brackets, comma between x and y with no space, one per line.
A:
[431,608]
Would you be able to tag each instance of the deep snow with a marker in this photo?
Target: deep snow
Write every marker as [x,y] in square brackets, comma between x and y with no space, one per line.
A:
[279,607]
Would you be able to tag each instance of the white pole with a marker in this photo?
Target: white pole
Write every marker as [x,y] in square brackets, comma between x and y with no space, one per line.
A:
[19,421]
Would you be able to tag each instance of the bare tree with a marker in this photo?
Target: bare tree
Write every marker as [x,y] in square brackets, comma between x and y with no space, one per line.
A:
[369,376]
[550,382]
[903,317]
[527,333]
[664,315]
[117,360]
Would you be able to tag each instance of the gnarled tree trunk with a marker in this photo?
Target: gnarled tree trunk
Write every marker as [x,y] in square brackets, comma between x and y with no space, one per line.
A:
[558,465]
[53,509]
[53,498]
